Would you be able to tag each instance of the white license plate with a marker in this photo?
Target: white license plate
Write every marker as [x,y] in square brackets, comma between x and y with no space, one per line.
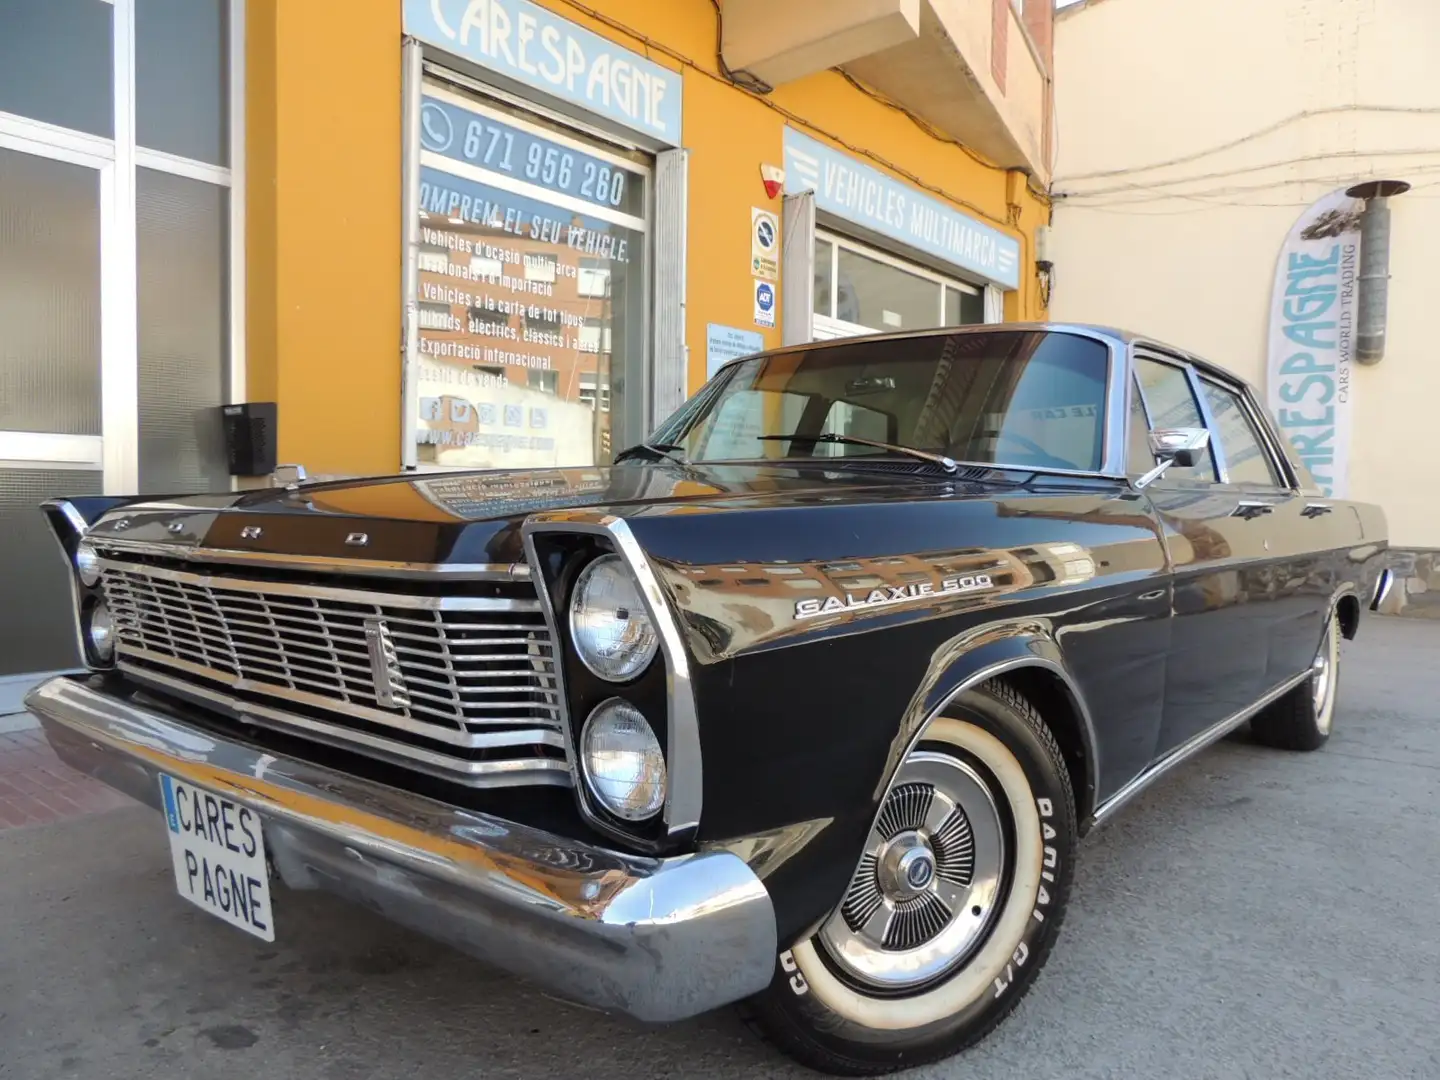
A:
[218,851]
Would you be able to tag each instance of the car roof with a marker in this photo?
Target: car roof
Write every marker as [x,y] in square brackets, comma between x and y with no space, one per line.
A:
[1121,338]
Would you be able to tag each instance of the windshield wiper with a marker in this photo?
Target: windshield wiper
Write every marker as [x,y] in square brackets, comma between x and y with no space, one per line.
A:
[948,464]
[668,451]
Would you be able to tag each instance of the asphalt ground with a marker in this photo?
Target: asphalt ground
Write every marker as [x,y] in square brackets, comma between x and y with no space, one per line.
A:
[1259,914]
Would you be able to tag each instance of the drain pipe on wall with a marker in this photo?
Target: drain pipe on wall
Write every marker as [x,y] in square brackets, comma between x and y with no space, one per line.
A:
[1374,297]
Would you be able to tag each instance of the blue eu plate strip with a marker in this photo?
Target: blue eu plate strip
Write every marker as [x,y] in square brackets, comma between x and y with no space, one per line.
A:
[167,788]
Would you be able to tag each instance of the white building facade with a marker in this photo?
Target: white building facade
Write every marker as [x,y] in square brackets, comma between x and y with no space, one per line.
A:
[1206,150]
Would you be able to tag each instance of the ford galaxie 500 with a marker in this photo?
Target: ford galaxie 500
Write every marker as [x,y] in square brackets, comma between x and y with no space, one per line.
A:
[804,703]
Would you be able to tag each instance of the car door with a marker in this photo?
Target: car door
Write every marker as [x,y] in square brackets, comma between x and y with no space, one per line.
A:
[1215,533]
[1290,580]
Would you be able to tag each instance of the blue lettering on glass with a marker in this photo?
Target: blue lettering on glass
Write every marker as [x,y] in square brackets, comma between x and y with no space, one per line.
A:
[532,46]
[461,135]
[513,415]
[538,418]
[1308,376]
[486,410]
[866,196]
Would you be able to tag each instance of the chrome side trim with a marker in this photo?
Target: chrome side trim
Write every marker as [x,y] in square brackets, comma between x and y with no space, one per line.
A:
[1190,748]
[338,565]
[658,939]
[504,773]
[322,592]
[683,796]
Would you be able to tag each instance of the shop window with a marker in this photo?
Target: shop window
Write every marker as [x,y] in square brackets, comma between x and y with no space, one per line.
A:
[56,63]
[862,290]
[551,307]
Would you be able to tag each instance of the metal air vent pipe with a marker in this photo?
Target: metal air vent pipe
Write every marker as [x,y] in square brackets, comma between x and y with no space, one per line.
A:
[1374,298]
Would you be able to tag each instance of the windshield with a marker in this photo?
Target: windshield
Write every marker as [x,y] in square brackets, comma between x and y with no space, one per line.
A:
[1030,399]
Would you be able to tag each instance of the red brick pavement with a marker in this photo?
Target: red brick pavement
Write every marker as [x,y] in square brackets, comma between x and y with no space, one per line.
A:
[36,788]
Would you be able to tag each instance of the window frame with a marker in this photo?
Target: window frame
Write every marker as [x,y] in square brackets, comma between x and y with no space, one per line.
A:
[1187,369]
[1280,475]
[1196,373]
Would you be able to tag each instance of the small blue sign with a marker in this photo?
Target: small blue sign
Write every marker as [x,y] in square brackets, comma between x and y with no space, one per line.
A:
[526,43]
[764,296]
[538,418]
[725,343]
[514,416]
[856,192]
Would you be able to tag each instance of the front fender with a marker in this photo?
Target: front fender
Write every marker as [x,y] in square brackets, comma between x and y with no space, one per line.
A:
[807,866]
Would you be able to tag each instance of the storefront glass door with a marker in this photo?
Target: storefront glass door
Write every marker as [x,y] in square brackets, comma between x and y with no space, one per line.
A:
[53,226]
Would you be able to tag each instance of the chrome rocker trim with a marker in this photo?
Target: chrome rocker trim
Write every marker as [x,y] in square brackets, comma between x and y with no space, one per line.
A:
[657,939]
[1190,748]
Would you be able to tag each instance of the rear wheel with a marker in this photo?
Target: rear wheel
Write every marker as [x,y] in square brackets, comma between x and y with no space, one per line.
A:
[953,908]
[1303,718]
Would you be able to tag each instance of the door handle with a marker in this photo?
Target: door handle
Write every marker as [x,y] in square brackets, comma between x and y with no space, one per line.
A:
[1247,509]
[1315,509]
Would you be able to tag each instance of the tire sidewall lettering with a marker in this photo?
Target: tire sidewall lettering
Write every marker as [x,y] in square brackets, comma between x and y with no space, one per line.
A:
[1050,863]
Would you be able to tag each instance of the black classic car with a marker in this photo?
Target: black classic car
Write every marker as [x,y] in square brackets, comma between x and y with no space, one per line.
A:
[804,703]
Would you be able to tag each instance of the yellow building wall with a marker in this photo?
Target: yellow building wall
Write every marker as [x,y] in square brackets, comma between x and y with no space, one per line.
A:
[324,202]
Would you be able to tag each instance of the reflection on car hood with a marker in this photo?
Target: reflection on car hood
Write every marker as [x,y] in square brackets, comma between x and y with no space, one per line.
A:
[625,489]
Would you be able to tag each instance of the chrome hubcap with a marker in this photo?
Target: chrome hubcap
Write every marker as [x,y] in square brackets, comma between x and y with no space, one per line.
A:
[928,886]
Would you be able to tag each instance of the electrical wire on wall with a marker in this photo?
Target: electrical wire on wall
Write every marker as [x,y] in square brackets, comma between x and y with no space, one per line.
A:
[723,75]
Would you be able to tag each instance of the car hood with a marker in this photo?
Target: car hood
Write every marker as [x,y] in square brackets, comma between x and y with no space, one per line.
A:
[475,517]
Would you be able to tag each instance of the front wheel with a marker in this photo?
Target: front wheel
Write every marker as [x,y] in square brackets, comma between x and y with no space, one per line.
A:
[954,907]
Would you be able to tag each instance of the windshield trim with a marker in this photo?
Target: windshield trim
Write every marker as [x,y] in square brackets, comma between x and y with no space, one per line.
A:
[1118,351]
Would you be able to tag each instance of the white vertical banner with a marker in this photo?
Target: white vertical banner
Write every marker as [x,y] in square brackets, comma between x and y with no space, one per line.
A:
[670,385]
[1309,385]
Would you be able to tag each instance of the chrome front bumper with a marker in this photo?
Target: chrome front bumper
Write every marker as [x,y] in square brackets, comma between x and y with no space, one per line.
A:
[659,939]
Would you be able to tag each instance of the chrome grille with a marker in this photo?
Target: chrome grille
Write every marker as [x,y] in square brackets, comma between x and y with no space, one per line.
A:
[459,686]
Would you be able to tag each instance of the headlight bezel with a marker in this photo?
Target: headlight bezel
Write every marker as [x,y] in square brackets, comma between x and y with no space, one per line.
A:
[558,546]
[593,784]
[574,609]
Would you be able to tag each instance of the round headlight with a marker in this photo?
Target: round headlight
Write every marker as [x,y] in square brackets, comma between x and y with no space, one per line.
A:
[623,764]
[87,563]
[101,632]
[609,625]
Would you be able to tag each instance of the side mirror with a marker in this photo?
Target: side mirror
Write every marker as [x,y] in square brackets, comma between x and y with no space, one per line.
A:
[1175,446]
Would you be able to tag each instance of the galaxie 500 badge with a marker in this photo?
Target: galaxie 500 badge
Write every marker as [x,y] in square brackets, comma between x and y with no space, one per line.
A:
[891,594]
